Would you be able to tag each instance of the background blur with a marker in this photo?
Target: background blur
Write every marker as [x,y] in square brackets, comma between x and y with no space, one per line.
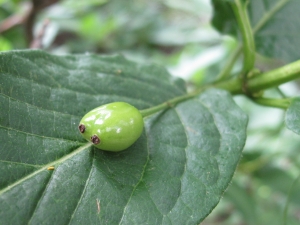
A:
[176,34]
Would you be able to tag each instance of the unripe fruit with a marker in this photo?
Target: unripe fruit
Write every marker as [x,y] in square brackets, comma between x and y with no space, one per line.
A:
[112,127]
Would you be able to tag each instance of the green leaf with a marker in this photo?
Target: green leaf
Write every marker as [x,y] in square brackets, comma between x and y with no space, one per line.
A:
[292,116]
[243,202]
[279,180]
[223,18]
[175,173]
[276,26]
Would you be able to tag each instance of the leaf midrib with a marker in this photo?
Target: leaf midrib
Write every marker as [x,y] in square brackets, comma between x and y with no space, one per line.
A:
[43,168]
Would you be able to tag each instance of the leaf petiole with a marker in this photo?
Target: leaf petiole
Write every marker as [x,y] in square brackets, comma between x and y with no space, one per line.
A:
[240,11]
[170,103]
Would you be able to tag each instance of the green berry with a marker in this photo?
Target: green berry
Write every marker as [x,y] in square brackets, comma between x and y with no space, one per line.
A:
[112,127]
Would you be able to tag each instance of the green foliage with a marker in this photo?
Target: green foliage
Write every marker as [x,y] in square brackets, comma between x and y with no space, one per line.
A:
[187,154]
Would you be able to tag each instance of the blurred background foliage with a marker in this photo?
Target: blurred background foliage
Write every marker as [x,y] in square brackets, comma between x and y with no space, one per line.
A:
[178,35]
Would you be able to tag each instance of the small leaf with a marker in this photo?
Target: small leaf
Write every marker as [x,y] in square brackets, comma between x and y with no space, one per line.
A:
[175,173]
[292,116]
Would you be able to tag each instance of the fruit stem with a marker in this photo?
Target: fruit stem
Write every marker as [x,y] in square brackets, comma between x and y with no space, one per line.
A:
[170,103]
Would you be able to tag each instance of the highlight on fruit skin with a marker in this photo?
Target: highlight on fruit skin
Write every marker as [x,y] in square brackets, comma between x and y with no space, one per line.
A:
[112,127]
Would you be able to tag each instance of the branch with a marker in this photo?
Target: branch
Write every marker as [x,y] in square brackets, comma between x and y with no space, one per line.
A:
[27,19]
[274,77]
[37,41]
[37,6]
[11,22]
[264,81]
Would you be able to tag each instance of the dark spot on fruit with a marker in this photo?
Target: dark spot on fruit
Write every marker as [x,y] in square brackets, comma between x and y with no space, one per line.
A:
[81,128]
[95,139]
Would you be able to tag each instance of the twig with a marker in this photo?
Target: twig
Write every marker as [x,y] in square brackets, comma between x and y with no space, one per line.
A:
[11,22]
[37,41]
[27,19]
[37,6]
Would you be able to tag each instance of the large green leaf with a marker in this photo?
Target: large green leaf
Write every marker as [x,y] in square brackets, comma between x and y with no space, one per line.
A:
[175,173]
[278,38]
[292,116]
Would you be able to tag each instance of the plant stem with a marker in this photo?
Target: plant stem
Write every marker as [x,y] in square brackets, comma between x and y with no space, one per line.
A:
[278,103]
[234,86]
[266,17]
[274,77]
[254,165]
[230,63]
[280,92]
[240,11]
[266,80]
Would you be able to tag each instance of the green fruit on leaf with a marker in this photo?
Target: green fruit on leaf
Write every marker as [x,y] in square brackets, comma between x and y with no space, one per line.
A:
[112,127]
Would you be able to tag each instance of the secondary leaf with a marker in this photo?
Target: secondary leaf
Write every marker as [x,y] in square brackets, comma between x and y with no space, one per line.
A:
[277,38]
[243,201]
[174,174]
[292,117]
